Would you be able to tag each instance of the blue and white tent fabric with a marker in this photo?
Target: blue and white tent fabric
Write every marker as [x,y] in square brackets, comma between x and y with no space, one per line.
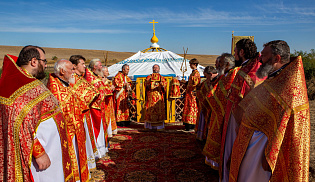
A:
[140,65]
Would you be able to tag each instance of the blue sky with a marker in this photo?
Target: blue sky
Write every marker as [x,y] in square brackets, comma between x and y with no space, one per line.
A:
[205,27]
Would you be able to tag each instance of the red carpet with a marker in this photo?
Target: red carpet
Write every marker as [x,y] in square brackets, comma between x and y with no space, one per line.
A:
[139,155]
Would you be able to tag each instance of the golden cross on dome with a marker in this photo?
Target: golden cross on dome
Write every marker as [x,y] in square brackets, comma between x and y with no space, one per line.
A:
[153,25]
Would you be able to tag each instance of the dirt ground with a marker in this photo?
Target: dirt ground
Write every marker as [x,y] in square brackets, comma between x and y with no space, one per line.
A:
[312,152]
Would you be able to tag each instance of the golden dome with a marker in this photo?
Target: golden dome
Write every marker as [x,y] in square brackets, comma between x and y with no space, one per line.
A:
[154,39]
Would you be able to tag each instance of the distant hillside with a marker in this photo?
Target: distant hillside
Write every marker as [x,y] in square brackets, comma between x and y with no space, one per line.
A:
[113,57]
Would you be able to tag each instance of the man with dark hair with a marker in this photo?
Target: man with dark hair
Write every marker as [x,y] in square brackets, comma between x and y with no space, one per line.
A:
[33,137]
[280,48]
[217,102]
[190,107]
[87,94]
[273,140]
[122,90]
[244,49]
[28,53]
[244,81]
[78,62]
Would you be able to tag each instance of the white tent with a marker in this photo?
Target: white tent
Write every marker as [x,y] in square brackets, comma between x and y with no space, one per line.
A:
[140,65]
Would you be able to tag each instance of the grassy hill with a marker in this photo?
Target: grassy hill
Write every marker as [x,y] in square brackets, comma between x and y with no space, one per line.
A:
[113,57]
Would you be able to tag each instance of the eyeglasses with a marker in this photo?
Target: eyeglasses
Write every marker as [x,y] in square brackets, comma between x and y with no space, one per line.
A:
[44,60]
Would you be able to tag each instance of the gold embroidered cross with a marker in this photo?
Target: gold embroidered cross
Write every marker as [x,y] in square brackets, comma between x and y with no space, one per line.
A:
[65,144]
[68,165]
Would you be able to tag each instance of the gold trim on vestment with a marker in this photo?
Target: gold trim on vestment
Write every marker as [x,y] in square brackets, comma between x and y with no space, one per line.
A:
[17,125]
[300,108]
[19,68]
[96,80]
[9,101]
[40,121]
[222,88]
[247,78]
[46,113]
[235,86]
[190,115]
[219,103]
[282,103]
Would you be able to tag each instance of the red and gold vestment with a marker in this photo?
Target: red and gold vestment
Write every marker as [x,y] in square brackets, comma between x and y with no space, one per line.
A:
[205,91]
[279,108]
[121,96]
[24,104]
[155,86]
[72,109]
[201,93]
[174,89]
[244,81]
[217,103]
[110,106]
[98,109]
[88,95]
[190,107]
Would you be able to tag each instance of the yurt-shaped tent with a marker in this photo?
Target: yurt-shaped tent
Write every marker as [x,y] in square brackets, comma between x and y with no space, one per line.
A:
[140,66]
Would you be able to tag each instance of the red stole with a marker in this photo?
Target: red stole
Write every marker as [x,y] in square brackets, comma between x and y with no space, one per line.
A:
[175,89]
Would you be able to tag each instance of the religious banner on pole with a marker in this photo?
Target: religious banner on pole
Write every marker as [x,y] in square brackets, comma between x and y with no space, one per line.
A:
[235,39]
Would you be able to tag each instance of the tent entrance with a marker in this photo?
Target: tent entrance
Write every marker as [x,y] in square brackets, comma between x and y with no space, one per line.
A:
[169,104]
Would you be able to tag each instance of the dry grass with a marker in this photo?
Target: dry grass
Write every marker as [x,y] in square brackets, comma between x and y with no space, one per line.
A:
[113,57]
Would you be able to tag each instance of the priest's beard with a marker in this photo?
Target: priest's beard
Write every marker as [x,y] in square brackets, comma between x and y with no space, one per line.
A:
[40,74]
[99,73]
[71,79]
[265,69]
[239,62]
[221,71]
[155,71]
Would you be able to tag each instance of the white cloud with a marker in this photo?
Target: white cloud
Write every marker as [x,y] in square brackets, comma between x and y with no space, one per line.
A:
[88,20]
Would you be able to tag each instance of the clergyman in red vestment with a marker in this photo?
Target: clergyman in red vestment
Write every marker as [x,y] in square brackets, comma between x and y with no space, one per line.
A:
[109,103]
[217,104]
[244,81]
[273,140]
[73,109]
[33,137]
[204,87]
[190,106]
[87,94]
[155,88]
[122,90]
[93,75]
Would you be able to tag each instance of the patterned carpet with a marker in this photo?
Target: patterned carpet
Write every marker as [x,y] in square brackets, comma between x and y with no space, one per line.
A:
[141,155]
